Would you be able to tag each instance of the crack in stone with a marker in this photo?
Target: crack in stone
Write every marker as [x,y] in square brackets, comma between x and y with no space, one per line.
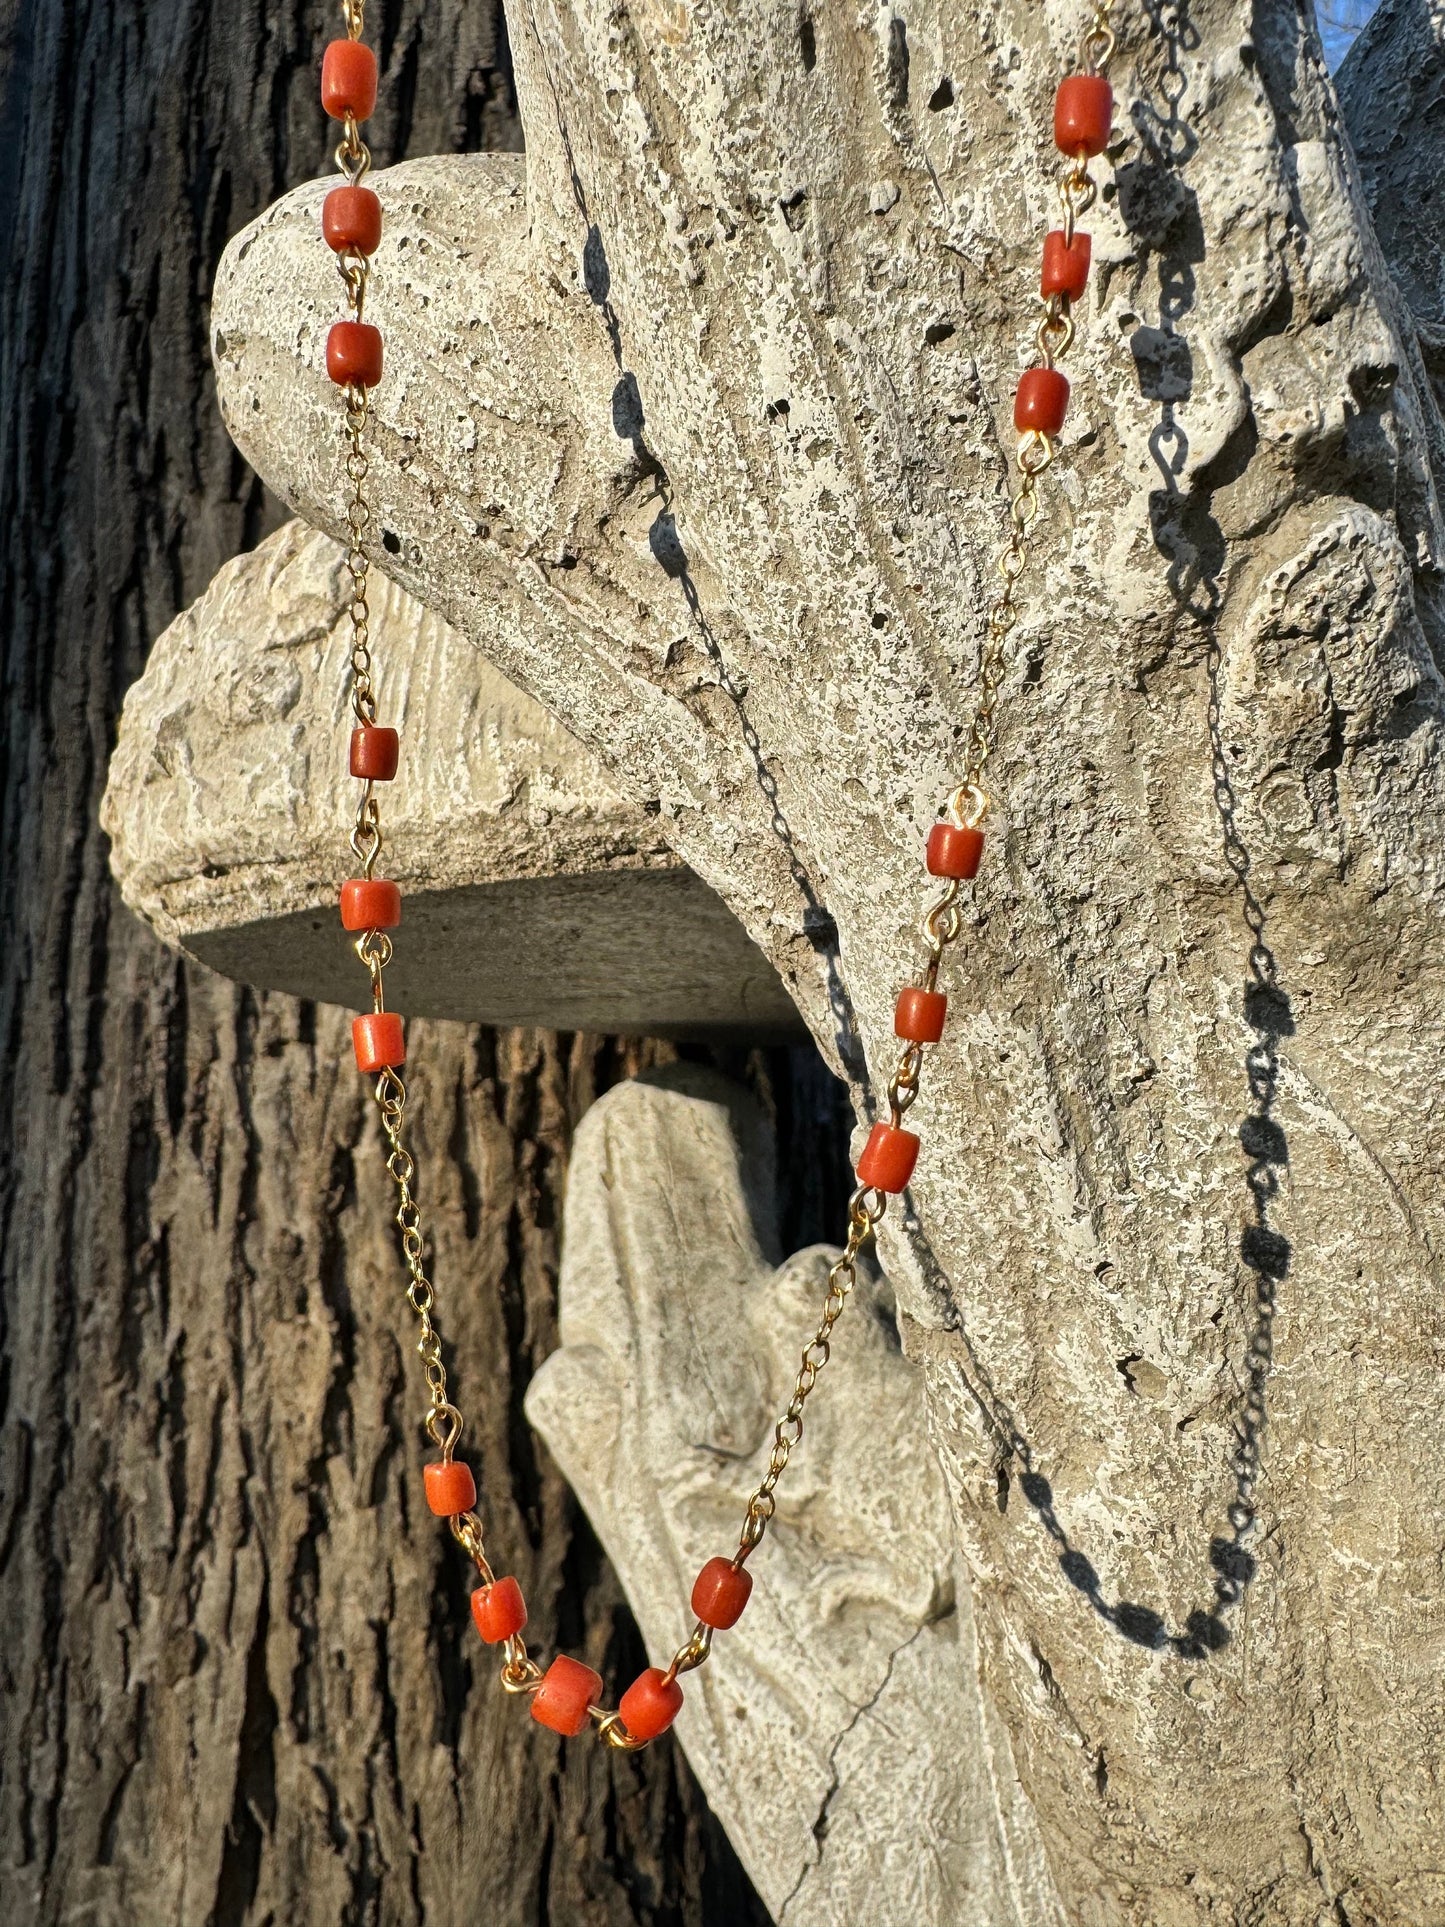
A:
[820,1825]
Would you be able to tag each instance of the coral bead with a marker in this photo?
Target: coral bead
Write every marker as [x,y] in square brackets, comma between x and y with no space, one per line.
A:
[348,79]
[650,1704]
[888,1158]
[954,851]
[568,1688]
[720,1592]
[374,753]
[1042,401]
[919,1016]
[1066,265]
[378,1041]
[450,1488]
[353,353]
[351,220]
[1083,114]
[499,1610]
[370,904]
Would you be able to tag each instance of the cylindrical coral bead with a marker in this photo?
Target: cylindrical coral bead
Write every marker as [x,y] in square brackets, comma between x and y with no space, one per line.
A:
[888,1158]
[353,353]
[378,1041]
[351,220]
[374,753]
[568,1689]
[1042,401]
[919,1015]
[370,903]
[650,1704]
[450,1488]
[348,79]
[1066,264]
[1083,114]
[720,1592]
[954,850]
[499,1610]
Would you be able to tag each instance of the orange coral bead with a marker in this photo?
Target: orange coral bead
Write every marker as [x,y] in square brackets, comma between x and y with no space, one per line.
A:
[720,1592]
[499,1610]
[1066,265]
[650,1704]
[374,753]
[568,1689]
[450,1488]
[353,353]
[378,1041]
[348,79]
[953,851]
[1083,114]
[919,1016]
[370,903]
[888,1158]
[351,220]
[1042,401]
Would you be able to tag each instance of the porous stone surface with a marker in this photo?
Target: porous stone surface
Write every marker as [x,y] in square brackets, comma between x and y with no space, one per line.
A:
[1392,94]
[532,893]
[838,1729]
[699,429]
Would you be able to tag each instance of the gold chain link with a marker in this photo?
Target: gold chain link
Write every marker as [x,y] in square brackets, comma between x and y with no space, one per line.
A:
[941,925]
[970,801]
[865,1209]
[442,1420]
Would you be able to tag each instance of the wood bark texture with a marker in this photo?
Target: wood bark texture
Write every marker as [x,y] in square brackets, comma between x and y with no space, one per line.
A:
[697,424]
[240,1683]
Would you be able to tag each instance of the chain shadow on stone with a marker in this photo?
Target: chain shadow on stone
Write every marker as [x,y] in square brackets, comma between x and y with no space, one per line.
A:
[665,542]
[818,925]
[1161,211]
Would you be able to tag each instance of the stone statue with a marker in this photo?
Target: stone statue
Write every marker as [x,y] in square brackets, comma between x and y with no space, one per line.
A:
[695,429]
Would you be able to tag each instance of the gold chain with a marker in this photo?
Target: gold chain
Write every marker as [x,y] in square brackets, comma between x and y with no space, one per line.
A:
[967,807]
[865,1208]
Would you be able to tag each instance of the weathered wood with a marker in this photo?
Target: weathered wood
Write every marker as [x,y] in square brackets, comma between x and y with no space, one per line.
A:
[739,349]
[239,1681]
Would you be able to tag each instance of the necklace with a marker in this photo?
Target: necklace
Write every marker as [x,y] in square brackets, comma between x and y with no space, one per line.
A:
[566,1695]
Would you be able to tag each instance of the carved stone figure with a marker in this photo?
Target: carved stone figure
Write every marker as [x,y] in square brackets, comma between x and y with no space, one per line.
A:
[226,795]
[695,425]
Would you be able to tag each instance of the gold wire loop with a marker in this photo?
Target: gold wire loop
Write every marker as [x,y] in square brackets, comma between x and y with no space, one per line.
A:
[942,923]
[1036,453]
[520,1672]
[466,1529]
[969,805]
[1055,334]
[353,271]
[1096,49]
[444,1428]
[374,948]
[1078,193]
[353,156]
[693,1651]
[611,1729]
[366,838]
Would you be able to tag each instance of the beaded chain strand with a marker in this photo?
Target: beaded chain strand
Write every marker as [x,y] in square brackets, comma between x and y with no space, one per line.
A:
[567,1695]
